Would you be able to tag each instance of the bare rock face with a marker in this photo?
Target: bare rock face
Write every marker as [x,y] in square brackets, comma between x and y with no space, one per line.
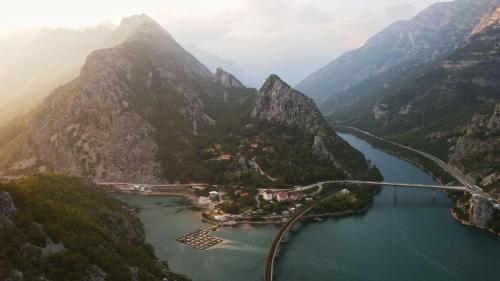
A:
[480,212]
[226,79]
[487,21]
[277,102]
[480,136]
[320,149]
[7,208]
[101,124]
[494,122]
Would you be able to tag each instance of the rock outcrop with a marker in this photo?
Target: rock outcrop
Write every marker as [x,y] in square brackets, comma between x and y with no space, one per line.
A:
[320,149]
[7,208]
[480,211]
[277,102]
[226,79]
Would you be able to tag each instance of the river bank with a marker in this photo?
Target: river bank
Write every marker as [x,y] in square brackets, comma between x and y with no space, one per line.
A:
[481,212]
[411,239]
[408,239]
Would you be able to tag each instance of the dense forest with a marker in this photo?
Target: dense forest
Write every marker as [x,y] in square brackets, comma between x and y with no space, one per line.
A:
[61,228]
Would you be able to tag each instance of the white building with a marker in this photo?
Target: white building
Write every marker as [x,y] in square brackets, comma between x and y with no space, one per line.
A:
[267,195]
[345,191]
[214,195]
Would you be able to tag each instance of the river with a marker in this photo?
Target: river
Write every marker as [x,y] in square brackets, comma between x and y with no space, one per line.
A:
[411,238]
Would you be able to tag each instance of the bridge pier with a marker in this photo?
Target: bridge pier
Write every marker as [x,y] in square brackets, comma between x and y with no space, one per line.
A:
[434,194]
[395,195]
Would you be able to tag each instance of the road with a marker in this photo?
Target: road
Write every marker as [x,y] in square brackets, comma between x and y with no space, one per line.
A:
[371,183]
[381,183]
[254,163]
[472,188]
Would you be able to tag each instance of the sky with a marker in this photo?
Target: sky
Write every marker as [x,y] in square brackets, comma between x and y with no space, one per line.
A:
[291,38]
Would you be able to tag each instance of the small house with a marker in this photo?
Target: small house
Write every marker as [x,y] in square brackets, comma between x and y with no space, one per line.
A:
[214,195]
[267,195]
[345,191]
[225,156]
[282,196]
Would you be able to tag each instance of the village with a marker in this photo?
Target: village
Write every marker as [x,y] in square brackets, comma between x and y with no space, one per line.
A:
[233,204]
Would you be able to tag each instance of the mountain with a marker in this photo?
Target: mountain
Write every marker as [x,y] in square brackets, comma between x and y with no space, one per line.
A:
[277,102]
[432,33]
[448,107]
[42,219]
[52,58]
[226,79]
[149,111]
[98,123]
[291,122]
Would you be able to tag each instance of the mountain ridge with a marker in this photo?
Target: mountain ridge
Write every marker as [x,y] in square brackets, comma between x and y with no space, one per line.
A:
[148,111]
[432,33]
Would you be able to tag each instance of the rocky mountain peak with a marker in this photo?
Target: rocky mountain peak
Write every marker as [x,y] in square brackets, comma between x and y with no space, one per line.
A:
[226,79]
[278,102]
[134,21]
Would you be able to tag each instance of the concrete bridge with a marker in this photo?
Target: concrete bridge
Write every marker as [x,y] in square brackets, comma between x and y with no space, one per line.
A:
[459,177]
[271,256]
[467,187]
[384,183]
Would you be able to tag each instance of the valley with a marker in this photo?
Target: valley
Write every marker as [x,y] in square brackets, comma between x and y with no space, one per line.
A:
[125,155]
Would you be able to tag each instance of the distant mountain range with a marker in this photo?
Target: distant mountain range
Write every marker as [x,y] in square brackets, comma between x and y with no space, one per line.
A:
[431,34]
[431,82]
[147,110]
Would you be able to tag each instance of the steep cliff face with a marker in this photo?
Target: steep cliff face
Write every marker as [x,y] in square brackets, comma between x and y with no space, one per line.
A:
[104,124]
[480,211]
[277,102]
[431,34]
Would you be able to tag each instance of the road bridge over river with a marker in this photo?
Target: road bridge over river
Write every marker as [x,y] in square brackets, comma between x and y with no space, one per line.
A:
[459,177]
[467,187]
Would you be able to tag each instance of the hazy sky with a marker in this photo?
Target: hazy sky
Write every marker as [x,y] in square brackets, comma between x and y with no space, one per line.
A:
[289,37]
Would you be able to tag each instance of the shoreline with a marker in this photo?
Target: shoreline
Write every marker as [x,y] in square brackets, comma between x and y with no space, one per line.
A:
[240,222]
[421,166]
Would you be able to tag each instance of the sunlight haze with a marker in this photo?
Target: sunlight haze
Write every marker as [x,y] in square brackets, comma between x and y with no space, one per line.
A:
[291,38]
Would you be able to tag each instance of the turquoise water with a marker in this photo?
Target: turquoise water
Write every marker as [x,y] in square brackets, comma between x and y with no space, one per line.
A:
[240,257]
[413,238]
